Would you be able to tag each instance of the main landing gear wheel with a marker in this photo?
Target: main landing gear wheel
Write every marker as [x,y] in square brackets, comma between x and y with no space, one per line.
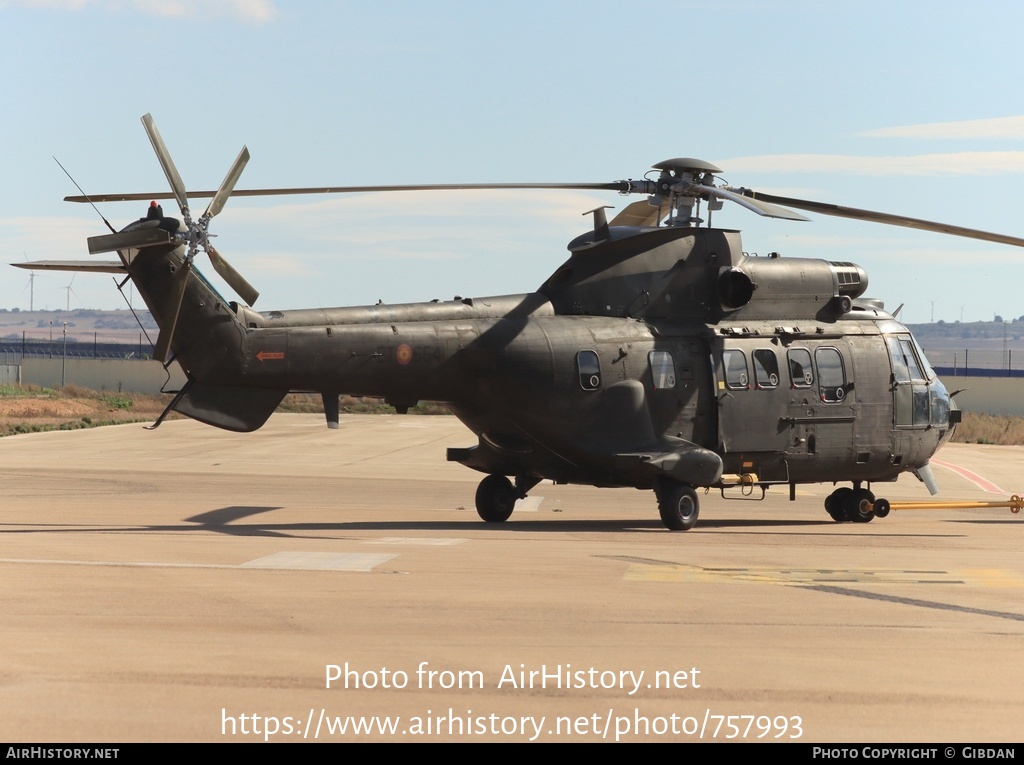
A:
[678,506]
[495,499]
[846,504]
[837,502]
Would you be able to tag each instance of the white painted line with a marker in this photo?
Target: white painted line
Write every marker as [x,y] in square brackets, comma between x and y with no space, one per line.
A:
[281,561]
[115,563]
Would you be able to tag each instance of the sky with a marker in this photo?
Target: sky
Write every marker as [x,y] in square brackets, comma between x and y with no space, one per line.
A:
[913,108]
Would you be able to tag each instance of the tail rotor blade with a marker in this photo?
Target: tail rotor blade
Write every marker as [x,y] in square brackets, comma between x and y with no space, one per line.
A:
[228,184]
[177,296]
[177,186]
[234,279]
[198,233]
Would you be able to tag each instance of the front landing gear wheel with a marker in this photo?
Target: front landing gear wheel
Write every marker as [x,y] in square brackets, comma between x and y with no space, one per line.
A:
[495,499]
[860,510]
[678,506]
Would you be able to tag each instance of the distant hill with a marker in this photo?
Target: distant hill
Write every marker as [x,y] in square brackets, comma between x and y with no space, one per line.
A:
[83,325]
[980,335]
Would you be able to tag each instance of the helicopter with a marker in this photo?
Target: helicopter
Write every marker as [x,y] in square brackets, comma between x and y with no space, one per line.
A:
[659,356]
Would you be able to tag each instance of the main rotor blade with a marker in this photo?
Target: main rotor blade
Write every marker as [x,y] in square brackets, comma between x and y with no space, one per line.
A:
[89,266]
[893,220]
[226,186]
[234,279]
[166,162]
[177,296]
[622,186]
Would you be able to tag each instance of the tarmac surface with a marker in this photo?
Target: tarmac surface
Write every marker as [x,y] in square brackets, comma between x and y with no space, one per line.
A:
[189,584]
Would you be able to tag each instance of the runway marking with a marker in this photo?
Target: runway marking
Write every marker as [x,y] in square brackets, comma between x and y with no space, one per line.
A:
[667,572]
[320,561]
[980,481]
[352,562]
[920,603]
[648,570]
[426,541]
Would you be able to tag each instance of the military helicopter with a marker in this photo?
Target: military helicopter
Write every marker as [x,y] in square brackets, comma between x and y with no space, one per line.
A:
[658,356]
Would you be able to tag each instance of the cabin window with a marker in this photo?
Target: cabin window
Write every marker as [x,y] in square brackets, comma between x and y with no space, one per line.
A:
[766,368]
[831,375]
[588,366]
[663,369]
[736,376]
[800,370]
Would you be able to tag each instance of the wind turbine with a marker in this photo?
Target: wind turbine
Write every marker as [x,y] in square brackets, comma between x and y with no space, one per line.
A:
[70,291]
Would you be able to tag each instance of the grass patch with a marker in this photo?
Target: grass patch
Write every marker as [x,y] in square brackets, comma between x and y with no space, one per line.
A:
[118,402]
[31,409]
[25,391]
[979,428]
[311,403]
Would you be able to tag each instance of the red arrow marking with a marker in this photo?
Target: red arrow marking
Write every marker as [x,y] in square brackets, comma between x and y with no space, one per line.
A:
[264,355]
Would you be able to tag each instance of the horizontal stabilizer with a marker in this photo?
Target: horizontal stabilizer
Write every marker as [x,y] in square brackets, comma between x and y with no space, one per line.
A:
[135,239]
[641,213]
[107,267]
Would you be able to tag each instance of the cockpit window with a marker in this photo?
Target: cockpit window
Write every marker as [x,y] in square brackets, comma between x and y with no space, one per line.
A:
[925,366]
[906,359]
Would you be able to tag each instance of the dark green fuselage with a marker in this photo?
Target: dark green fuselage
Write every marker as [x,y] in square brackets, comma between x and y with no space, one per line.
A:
[651,353]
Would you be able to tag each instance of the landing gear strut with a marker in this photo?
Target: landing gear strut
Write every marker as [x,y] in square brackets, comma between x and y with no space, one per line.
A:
[856,505]
[678,505]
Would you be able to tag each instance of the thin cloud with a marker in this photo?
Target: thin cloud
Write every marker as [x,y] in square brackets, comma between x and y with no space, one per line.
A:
[965,163]
[998,127]
[553,205]
[45,238]
[249,11]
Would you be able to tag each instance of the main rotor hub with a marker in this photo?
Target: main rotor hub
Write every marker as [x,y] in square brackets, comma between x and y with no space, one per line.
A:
[685,165]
